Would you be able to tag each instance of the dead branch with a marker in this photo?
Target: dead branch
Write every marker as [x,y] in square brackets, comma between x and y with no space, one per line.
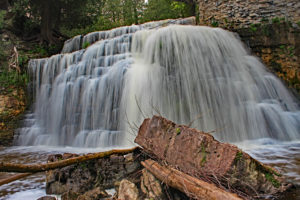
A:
[10,167]
[14,61]
[14,178]
[191,186]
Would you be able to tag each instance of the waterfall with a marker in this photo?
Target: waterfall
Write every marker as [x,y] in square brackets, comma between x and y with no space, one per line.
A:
[204,77]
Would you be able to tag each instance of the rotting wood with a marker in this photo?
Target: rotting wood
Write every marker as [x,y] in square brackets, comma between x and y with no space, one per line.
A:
[14,178]
[10,167]
[191,186]
[198,154]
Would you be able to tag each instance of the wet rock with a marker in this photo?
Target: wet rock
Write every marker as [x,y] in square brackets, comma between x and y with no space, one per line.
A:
[94,194]
[47,198]
[86,176]
[127,191]
[70,195]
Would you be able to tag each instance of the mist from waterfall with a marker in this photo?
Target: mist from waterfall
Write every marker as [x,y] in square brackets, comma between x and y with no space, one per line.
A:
[97,97]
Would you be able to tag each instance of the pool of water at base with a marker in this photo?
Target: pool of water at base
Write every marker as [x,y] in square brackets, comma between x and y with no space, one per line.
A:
[284,156]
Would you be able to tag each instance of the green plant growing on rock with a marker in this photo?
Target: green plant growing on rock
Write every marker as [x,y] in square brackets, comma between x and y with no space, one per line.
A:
[276,20]
[203,161]
[214,23]
[178,131]
[253,27]
[291,51]
[270,177]
[264,20]
[298,23]
[238,156]
[86,45]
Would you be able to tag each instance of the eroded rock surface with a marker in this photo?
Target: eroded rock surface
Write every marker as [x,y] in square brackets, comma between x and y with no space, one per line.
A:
[76,180]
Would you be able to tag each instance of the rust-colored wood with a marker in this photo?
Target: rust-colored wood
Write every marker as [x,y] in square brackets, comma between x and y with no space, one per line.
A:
[11,167]
[191,186]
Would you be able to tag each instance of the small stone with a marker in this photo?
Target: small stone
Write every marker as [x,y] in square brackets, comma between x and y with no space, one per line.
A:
[47,198]
[94,194]
[127,191]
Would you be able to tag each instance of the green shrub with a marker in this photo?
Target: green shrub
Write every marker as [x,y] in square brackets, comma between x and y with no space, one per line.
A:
[2,15]
[86,45]
[215,23]
[11,78]
[253,27]
[276,20]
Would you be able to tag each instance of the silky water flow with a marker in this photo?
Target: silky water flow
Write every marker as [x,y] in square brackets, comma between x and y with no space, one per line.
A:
[189,74]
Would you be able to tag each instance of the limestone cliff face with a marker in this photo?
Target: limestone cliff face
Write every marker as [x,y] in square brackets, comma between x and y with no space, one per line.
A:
[271,28]
[278,45]
[243,13]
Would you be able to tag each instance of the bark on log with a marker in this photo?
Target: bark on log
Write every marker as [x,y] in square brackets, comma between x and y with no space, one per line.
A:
[191,186]
[14,178]
[198,154]
[10,167]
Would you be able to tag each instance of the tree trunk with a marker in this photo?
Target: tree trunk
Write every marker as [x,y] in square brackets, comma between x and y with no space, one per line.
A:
[46,22]
[189,185]
[14,178]
[198,154]
[10,167]
[4,4]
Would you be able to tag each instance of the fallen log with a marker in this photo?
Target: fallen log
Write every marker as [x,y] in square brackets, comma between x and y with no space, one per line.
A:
[12,167]
[14,178]
[199,155]
[191,186]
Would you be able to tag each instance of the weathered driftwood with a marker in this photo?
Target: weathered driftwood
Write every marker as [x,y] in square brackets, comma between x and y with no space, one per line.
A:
[198,154]
[191,186]
[13,178]
[11,167]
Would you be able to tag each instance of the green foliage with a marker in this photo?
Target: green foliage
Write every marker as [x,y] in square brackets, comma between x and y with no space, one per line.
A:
[238,156]
[23,60]
[215,23]
[298,23]
[178,131]
[85,45]
[276,20]
[2,16]
[165,9]
[12,79]
[253,28]
[203,161]
[282,46]
[291,51]
[270,178]
[264,20]
[74,17]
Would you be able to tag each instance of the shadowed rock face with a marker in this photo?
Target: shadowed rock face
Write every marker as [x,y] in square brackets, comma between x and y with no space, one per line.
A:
[86,176]
[200,155]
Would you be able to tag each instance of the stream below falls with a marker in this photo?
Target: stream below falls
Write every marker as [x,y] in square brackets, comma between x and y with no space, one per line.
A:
[284,156]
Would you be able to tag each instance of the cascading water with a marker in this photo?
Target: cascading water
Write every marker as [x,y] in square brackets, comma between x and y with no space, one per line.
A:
[94,97]
[183,72]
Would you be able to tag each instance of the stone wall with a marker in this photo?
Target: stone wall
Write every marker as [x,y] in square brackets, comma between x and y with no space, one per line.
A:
[278,46]
[241,13]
